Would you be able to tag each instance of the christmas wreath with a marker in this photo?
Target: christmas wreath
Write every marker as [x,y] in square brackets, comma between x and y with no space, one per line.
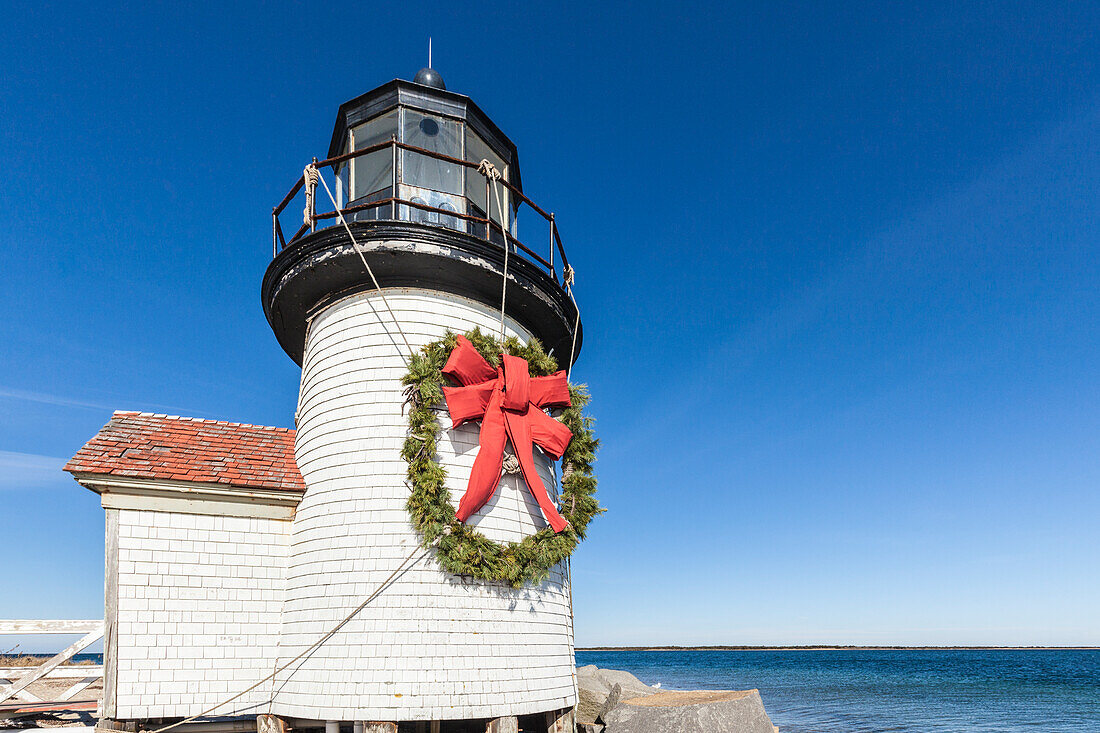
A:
[505,385]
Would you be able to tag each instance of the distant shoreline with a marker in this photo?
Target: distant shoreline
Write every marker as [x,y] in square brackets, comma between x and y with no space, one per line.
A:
[826,648]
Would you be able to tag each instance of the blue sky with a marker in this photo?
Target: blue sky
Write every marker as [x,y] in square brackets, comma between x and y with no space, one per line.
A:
[837,265]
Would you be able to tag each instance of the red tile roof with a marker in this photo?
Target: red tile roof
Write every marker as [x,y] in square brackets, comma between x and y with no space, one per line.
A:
[143,445]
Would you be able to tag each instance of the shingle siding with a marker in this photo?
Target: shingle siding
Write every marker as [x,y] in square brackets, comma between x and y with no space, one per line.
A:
[199,604]
[432,646]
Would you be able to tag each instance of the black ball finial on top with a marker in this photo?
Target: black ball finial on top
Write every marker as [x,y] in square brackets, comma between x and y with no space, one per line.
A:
[430,78]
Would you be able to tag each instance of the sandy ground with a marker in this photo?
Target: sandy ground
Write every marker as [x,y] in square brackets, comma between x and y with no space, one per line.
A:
[674,698]
[8,726]
[50,690]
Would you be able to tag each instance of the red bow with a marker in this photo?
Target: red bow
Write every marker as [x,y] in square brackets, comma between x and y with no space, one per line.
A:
[509,401]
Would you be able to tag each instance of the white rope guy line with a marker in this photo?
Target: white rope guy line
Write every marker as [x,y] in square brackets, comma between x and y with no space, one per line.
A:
[487,169]
[308,650]
[568,276]
[370,272]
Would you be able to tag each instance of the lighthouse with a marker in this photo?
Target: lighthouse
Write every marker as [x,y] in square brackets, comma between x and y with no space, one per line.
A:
[410,232]
[398,561]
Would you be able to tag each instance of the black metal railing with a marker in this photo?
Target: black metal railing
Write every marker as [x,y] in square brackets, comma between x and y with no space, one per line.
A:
[395,208]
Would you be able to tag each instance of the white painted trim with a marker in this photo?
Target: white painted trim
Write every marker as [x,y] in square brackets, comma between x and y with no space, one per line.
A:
[64,672]
[195,505]
[27,626]
[105,482]
[109,703]
[191,497]
[77,688]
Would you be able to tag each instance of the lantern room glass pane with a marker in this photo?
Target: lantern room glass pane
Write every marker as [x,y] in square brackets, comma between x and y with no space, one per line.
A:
[438,135]
[373,172]
[478,150]
[343,171]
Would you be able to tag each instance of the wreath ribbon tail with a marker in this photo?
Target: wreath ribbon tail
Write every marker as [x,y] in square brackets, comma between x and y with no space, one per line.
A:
[519,430]
[485,475]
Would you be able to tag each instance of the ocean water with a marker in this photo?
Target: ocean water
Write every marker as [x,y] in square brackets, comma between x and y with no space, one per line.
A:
[91,658]
[900,691]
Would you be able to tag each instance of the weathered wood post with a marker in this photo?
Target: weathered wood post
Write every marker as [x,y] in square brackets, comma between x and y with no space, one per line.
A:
[509,724]
[561,721]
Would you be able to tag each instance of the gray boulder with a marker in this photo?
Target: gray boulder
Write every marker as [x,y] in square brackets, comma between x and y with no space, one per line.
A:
[591,695]
[594,686]
[701,711]
[611,701]
[603,680]
[631,685]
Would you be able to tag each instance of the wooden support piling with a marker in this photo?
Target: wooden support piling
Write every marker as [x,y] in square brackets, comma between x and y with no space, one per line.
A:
[561,721]
[270,724]
[509,724]
[379,727]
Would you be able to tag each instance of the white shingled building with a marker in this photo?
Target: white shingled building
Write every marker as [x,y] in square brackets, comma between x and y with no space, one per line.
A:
[231,549]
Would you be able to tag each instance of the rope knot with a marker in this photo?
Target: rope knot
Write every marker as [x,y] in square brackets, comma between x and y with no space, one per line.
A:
[488,170]
[310,177]
[511,464]
[568,275]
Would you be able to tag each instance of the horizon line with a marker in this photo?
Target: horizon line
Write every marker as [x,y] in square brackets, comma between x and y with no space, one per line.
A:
[836,647]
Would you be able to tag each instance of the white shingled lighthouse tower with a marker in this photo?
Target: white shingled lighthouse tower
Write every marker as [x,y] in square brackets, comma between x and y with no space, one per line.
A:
[423,242]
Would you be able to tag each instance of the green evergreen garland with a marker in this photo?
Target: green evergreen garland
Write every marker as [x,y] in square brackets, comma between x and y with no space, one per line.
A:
[463,550]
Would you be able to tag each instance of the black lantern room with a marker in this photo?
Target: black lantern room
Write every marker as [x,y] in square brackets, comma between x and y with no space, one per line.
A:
[430,189]
[430,118]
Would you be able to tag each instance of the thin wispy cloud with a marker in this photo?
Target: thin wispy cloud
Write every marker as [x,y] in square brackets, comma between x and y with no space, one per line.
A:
[45,398]
[49,399]
[26,470]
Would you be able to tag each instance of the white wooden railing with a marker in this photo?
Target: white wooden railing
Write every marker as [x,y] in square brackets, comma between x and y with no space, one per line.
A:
[17,679]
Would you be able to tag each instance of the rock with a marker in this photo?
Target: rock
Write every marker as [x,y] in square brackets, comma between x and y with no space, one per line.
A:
[702,711]
[631,685]
[591,694]
[609,704]
[625,704]
[588,705]
[603,680]
[595,684]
